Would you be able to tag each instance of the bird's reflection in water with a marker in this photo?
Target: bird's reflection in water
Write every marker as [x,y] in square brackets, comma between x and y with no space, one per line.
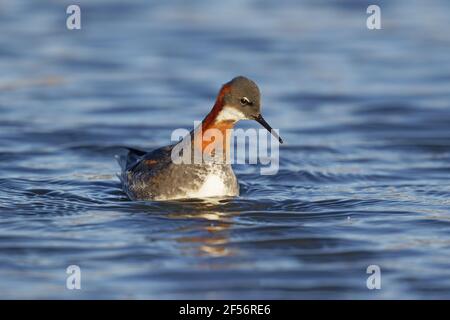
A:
[209,237]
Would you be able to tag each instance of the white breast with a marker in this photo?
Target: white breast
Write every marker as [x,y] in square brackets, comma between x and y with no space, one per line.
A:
[213,186]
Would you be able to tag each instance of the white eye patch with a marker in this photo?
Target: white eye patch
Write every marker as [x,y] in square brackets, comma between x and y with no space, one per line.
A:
[245,101]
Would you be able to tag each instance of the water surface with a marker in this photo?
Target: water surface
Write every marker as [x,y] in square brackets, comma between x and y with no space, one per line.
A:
[364,172]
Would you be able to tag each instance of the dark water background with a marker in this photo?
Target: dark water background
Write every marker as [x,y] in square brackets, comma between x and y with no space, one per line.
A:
[364,174]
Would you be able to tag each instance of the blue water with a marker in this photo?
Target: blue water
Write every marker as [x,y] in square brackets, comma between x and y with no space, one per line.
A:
[364,173]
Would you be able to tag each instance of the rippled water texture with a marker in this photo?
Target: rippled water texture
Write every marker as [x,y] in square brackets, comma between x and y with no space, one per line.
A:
[364,172]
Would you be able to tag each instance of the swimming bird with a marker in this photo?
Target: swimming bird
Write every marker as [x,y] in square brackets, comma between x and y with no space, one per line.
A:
[155,175]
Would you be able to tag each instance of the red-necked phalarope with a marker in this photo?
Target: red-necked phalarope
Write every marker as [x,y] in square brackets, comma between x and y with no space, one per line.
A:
[154,175]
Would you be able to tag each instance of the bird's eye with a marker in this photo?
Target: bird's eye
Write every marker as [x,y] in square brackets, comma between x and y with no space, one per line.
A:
[245,101]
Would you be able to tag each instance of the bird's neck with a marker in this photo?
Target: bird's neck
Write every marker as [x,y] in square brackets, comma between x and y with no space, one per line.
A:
[214,134]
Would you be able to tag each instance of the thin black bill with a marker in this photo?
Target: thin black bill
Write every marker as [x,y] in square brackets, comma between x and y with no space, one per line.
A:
[263,122]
